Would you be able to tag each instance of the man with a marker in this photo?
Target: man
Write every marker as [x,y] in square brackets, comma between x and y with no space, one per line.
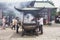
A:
[41,24]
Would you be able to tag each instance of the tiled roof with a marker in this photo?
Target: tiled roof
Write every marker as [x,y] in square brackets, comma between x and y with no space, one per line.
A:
[45,4]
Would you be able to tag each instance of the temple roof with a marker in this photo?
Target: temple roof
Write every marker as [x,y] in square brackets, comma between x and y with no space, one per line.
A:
[45,4]
[38,5]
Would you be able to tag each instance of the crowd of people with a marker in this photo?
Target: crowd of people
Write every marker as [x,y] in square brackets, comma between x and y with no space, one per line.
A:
[13,24]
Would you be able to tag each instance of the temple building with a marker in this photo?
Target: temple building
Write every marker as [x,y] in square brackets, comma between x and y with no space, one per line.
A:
[46,9]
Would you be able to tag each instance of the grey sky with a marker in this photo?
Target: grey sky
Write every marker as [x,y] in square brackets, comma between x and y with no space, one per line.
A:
[56,2]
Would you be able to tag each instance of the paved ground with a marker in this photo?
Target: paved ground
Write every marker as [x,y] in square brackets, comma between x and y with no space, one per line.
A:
[50,33]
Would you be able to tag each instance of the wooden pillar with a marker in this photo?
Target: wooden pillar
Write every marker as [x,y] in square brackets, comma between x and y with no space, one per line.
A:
[48,15]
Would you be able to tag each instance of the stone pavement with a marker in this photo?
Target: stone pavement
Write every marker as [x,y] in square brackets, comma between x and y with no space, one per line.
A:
[50,33]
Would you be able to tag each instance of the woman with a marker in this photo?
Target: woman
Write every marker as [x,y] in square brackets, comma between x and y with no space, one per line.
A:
[3,22]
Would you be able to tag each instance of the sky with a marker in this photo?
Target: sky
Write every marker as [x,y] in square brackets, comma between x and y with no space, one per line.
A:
[56,2]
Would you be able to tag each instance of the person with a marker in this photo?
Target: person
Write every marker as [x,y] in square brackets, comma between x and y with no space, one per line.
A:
[14,23]
[3,22]
[8,21]
[41,24]
[18,21]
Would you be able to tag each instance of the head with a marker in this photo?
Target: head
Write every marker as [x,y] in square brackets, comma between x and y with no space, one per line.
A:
[16,17]
[4,17]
